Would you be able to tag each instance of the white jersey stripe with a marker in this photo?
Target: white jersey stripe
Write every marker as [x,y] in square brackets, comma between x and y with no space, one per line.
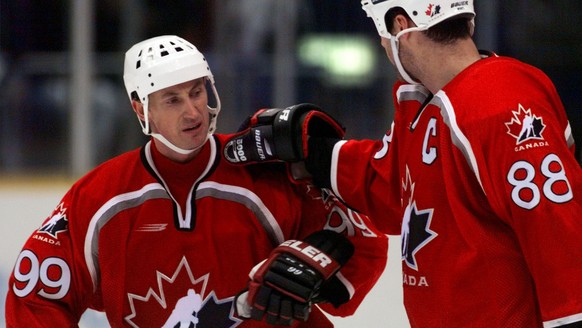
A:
[457,136]
[568,135]
[333,170]
[563,321]
[412,92]
[106,212]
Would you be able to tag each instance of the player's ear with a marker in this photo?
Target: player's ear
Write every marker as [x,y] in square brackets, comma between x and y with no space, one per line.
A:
[138,109]
[400,23]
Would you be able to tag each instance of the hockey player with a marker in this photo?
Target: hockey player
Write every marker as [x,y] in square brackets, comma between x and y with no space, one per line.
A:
[477,173]
[169,234]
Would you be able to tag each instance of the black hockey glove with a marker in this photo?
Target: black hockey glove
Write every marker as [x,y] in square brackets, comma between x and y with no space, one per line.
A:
[296,275]
[278,134]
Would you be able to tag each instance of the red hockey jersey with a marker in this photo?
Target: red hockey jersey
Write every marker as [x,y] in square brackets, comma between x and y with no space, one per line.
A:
[119,242]
[481,182]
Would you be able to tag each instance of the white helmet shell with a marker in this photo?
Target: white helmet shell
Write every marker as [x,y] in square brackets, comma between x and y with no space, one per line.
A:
[162,62]
[424,13]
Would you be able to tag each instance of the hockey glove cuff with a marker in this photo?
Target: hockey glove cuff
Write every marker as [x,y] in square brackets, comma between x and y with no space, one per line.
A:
[278,134]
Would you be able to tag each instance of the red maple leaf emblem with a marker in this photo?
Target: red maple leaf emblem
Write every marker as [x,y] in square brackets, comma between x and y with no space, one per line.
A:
[428,12]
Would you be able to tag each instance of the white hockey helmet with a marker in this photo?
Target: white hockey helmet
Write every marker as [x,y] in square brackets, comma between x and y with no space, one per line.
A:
[162,62]
[424,13]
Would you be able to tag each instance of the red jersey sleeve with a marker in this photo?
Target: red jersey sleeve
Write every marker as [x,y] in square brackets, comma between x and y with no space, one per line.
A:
[361,178]
[322,210]
[48,275]
[364,174]
[527,169]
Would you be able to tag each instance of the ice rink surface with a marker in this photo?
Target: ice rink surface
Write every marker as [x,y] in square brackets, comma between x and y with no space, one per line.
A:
[26,202]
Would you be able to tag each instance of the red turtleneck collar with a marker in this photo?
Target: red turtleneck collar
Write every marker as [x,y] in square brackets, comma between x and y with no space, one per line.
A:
[180,177]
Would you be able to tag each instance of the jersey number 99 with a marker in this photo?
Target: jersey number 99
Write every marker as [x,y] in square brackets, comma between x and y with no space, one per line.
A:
[53,274]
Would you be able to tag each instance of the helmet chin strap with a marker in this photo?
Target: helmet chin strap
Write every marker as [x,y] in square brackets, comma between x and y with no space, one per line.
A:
[175,148]
[395,45]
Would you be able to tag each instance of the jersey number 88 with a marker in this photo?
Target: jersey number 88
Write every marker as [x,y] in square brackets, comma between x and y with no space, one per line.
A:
[526,194]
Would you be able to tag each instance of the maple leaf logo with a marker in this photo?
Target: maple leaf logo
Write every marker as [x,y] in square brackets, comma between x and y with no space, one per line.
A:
[176,307]
[416,232]
[433,10]
[525,126]
[407,187]
[428,12]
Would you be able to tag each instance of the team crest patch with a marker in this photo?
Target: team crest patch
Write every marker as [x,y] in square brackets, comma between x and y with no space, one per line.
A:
[56,223]
[181,300]
[525,126]
[433,10]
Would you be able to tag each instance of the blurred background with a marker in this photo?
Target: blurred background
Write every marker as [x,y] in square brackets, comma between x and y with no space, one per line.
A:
[64,110]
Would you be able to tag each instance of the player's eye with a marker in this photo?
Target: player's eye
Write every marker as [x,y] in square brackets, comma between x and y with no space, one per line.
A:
[196,92]
[172,100]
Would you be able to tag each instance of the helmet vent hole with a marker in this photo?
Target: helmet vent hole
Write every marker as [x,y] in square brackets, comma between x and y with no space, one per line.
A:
[415,13]
[164,53]
[138,64]
[178,49]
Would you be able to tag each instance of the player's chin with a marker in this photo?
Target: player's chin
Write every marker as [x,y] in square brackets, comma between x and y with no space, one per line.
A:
[196,142]
[194,137]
